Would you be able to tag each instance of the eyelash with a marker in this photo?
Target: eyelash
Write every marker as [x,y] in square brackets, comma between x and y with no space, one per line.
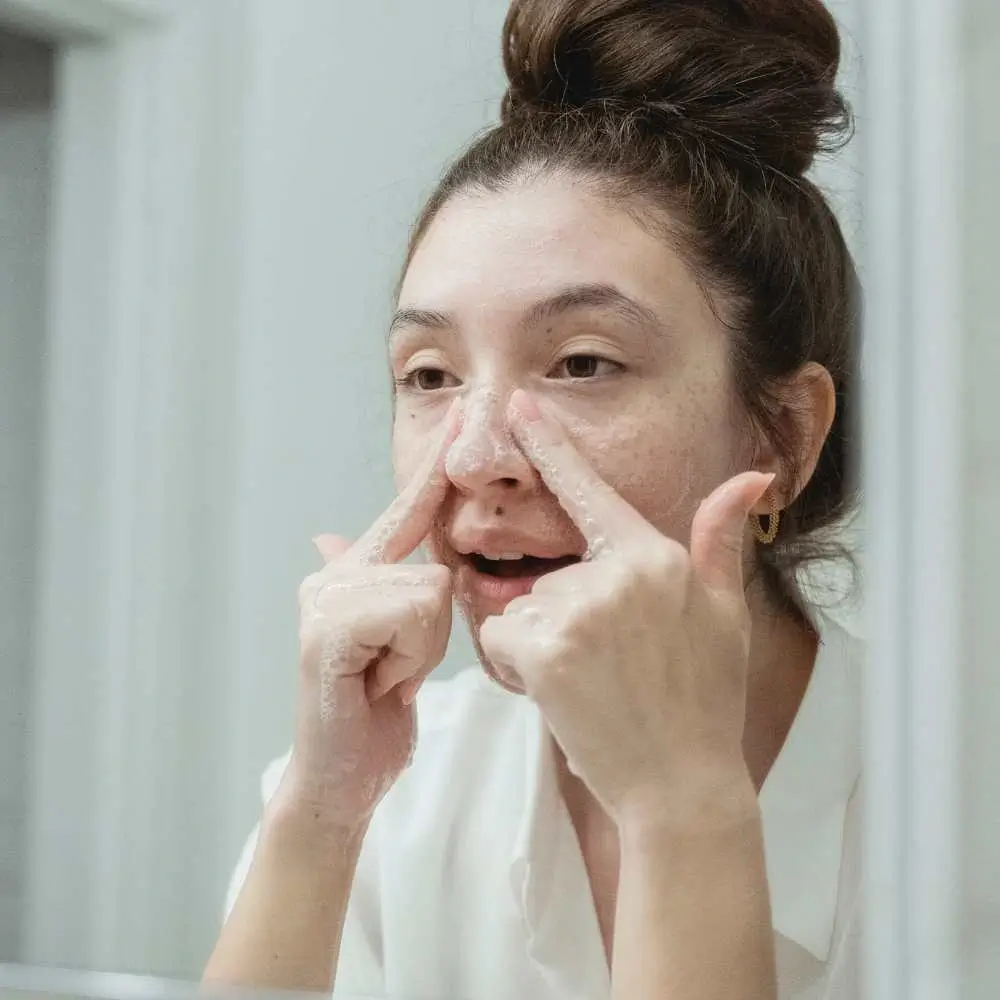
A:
[597,359]
[411,379]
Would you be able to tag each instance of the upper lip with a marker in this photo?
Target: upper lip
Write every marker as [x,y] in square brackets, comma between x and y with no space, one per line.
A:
[506,542]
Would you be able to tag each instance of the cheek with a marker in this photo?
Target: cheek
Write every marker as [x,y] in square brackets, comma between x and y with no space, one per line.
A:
[414,431]
[408,446]
[663,461]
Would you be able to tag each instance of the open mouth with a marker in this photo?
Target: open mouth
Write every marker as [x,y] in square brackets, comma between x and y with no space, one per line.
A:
[517,567]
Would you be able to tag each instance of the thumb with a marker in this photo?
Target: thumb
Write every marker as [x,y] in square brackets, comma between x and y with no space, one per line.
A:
[719,529]
[331,546]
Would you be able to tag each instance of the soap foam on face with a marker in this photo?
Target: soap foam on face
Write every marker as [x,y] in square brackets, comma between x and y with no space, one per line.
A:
[485,440]
[586,521]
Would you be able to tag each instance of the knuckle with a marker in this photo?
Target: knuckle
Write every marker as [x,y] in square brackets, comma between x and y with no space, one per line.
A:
[499,641]
[546,664]
[321,648]
[522,607]
[427,604]
[439,576]
[559,649]
[613,590]
[579,617]
[621,576]
[666,563]
[308,589]
[491,635]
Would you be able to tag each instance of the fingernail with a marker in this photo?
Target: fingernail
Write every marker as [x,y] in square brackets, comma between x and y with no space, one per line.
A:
[769,479]
[408,691]
[526,405]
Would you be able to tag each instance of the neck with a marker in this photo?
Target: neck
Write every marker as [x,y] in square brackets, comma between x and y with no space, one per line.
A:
[782,653]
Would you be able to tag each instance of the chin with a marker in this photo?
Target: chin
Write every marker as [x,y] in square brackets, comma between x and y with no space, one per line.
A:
[503,676]
[489,570]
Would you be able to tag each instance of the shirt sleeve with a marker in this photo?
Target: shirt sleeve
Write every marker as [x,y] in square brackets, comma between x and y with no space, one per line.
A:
[359,969]
[239,875]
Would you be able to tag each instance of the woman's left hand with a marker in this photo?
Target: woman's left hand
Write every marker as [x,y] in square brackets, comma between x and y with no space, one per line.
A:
[637,656]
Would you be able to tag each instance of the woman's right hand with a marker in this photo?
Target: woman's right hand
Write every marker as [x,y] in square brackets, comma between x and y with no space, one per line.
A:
[371,630]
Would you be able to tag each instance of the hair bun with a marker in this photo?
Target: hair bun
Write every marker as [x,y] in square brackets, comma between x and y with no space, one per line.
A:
[755,79]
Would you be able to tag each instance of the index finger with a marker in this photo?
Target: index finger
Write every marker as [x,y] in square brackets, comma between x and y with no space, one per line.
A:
[408,519]
[603,516]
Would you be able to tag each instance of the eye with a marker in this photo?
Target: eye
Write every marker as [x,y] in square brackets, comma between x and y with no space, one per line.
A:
[427,380]
[586,366]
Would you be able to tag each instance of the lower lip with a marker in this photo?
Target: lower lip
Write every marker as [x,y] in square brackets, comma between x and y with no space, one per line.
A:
[497,589]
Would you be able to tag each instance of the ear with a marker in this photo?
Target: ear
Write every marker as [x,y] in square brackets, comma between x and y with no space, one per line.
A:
[808,405]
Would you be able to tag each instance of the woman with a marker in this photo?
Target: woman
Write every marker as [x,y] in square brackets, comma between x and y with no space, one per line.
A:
[623,354]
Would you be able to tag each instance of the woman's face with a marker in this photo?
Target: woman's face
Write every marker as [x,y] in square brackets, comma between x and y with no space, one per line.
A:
[549,288]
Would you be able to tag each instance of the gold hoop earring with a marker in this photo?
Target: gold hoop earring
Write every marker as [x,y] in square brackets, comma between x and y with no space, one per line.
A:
[773,523]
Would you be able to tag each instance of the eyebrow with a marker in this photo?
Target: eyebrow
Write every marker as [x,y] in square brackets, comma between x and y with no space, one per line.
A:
[585,296]
[597,296]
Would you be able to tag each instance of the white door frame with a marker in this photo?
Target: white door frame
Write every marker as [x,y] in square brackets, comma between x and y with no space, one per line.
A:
[913,479]
[134,175]
[100,238]
[73,20]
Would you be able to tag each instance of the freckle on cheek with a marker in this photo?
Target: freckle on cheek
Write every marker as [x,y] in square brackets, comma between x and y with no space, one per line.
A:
[650,461]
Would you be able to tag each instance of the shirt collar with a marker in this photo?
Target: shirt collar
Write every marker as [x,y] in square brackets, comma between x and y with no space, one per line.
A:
[805,796]
[532,845]
[803,800]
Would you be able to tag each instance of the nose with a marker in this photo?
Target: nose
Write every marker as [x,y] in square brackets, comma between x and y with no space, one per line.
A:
[485,454]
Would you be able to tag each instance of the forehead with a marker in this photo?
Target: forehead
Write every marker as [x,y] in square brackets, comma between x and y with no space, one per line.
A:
[499,249]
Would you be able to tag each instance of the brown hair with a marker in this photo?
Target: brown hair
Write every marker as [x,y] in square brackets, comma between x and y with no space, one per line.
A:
[702,117]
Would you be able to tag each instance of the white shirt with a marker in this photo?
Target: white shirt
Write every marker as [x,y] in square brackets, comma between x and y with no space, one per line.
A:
[471,884]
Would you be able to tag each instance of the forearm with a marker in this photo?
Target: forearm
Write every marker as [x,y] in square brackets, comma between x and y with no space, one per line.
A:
[285,929]
[693,914]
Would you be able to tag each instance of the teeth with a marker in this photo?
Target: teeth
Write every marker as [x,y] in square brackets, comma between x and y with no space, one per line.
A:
[502,556]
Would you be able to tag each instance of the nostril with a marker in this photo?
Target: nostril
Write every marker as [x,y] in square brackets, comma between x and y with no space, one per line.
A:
[509,481]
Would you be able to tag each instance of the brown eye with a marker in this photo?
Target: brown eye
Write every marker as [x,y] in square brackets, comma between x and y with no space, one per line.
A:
[429,379]
[581,366]
[586,366]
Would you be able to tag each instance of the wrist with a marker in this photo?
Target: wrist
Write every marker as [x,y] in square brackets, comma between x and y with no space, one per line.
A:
[705,800]
[302,825]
